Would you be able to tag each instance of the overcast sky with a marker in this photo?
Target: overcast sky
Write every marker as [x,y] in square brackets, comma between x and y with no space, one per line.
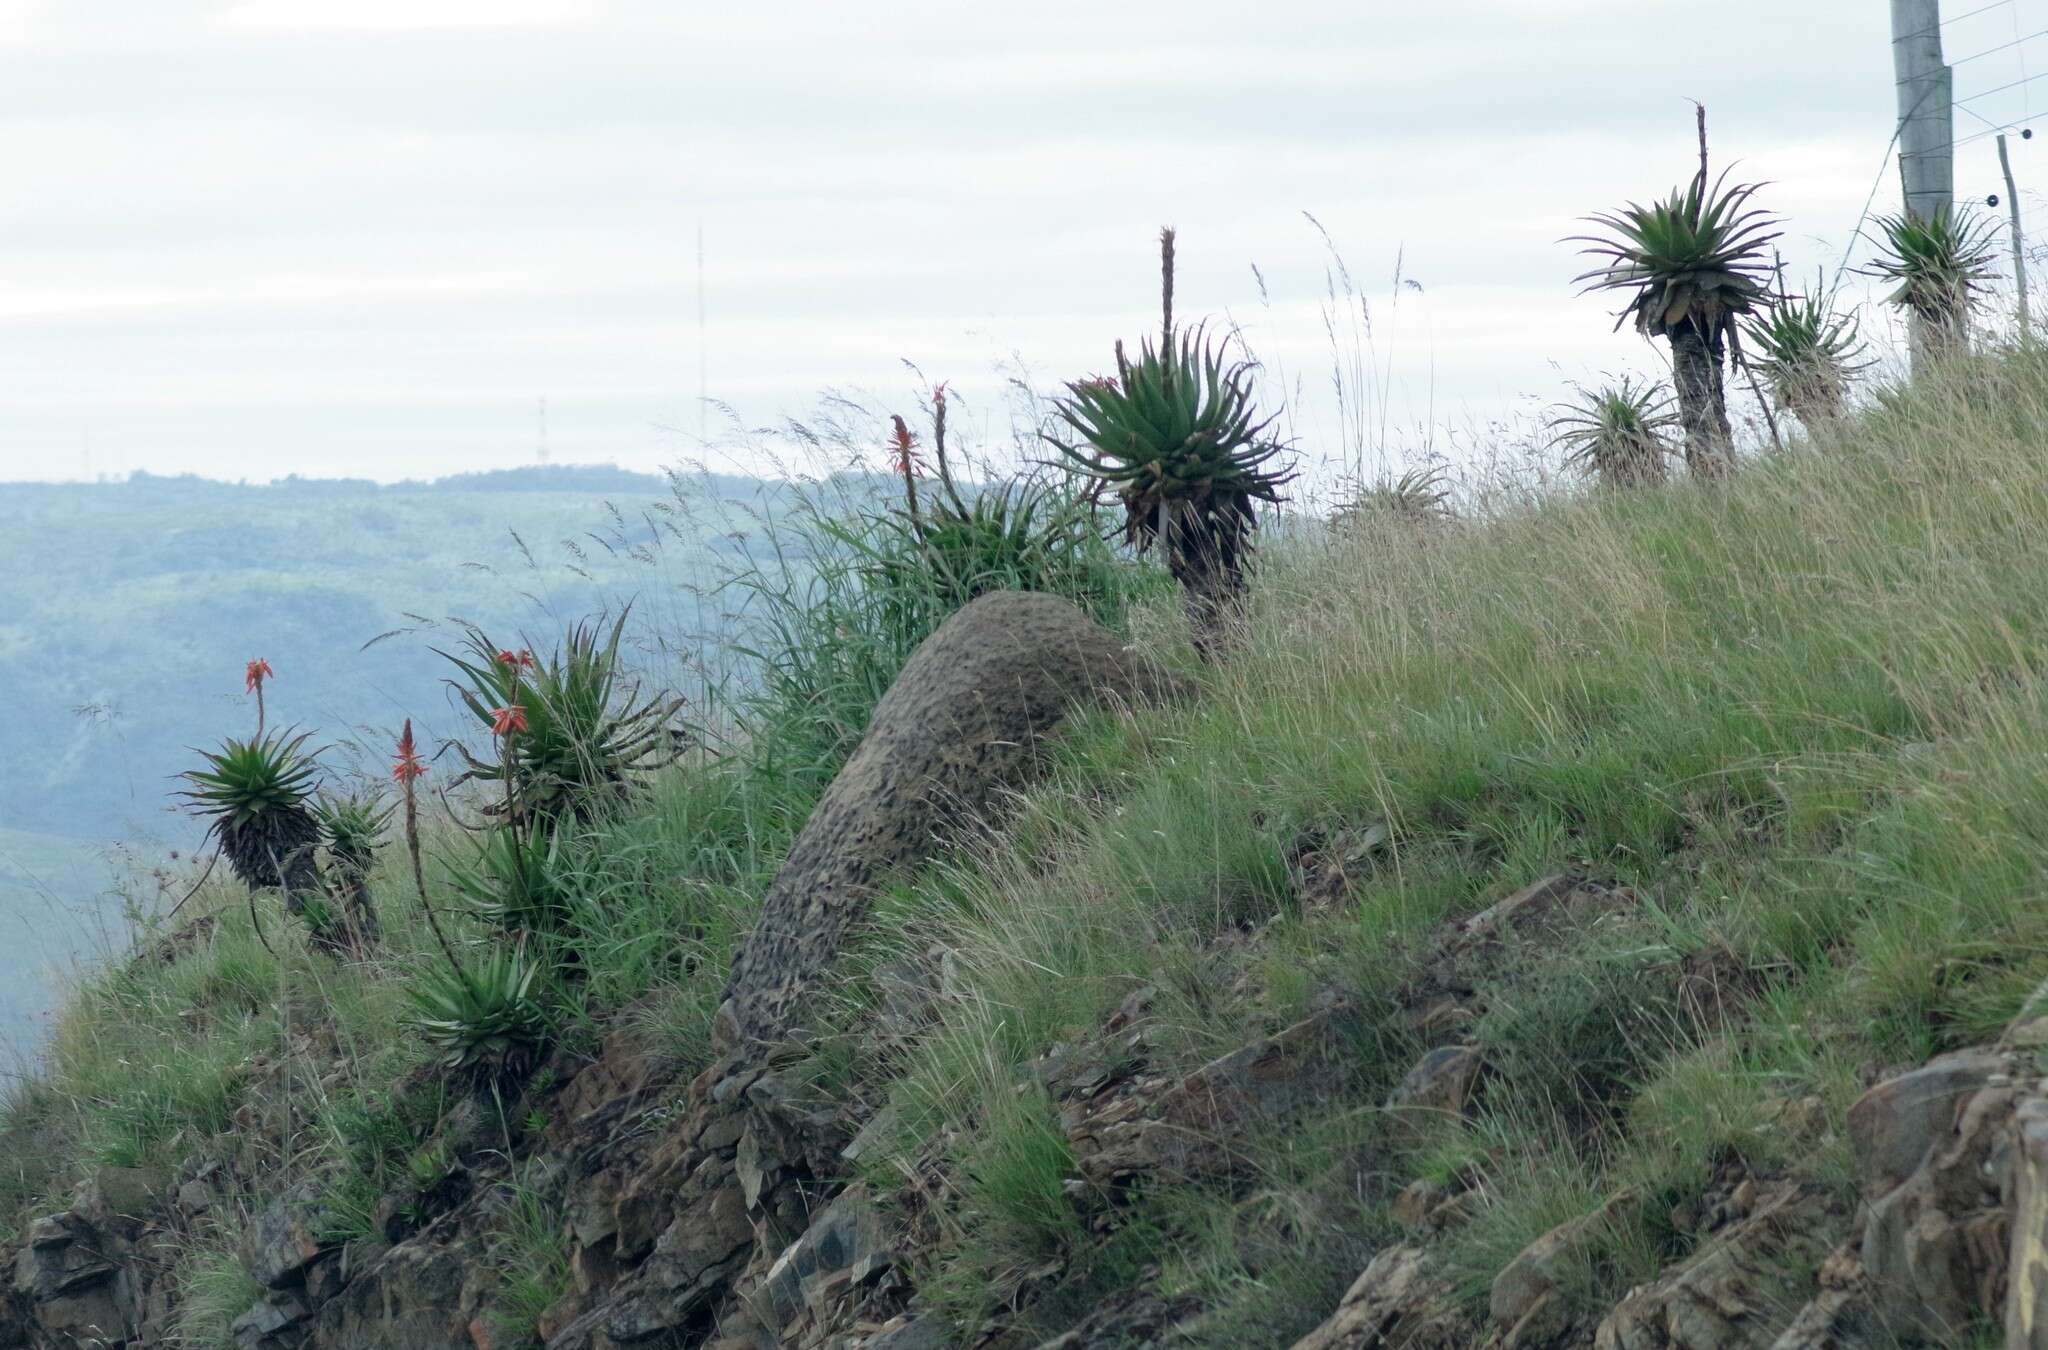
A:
[248,238]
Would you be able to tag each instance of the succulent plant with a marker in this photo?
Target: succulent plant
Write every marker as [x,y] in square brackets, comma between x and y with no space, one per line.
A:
[1617,431]
[1417,498]
[1691,265]
[255,794]
[352,827]
[1806,351]
[1177,435]
[574,733]
[1941,263]
[516,881]
[486,1019]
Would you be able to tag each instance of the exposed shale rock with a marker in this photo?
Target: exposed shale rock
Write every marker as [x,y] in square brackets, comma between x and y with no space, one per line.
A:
[731,1195]
[1735,1290]
[1399,1303]
[1180,1128]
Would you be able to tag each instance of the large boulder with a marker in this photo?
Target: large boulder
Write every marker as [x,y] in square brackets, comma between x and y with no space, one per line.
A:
[735,1182]
[964,720]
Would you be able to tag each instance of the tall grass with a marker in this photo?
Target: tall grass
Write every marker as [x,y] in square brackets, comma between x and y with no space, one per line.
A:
[1793,712]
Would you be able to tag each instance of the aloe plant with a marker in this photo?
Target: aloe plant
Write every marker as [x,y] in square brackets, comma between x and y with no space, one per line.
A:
[1806,351]
[1691,265]
[256,797]
[1618,432]
[1178,437]
[1419,499]
[1941,263]
[574,731]
[352,828]
[486,1019]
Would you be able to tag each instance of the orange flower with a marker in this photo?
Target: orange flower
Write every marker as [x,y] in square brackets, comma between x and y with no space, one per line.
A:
[508,719]
[257,672]
[407,766]
[519,660]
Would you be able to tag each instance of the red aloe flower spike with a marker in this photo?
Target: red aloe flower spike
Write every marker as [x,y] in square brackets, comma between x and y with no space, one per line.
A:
[253,676]
[519,660]
[903,449]
[407,766]
[508,719]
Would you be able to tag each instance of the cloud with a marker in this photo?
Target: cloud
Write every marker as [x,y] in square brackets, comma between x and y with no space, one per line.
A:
[248,236]
[385,16]
[17,19]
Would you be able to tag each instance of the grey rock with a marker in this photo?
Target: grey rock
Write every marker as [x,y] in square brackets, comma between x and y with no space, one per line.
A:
[272,1323]
[1439,1085]
[848,1237]
[1894,1124]
[1398,1303]
[963,721]
[1736,1292]
[2026,1306]
[1197,1125]
[1526,1301]
[286,1235]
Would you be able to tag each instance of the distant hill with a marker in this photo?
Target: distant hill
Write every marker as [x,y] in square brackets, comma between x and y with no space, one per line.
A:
[128,609]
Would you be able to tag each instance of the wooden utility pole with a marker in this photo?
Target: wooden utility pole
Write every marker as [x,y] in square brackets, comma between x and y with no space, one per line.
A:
[1927,140]
[1926,94]
[2019,250]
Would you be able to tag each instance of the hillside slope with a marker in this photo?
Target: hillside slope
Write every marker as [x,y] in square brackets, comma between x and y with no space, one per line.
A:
[1537,918]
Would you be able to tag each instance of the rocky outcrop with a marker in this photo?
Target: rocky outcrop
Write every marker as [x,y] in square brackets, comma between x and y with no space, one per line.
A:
[1174,1129]
[732,1195]
[963,720]
[1734,1292]
[1399,1303]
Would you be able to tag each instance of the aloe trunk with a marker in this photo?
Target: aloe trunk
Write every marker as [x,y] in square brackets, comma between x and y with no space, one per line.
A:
[1702,401]
[1818,407]
[359,909]
[1206,553]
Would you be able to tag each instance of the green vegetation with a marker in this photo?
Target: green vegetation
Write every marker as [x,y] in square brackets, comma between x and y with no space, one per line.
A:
[1616,432]
[257,799]
[482,1015]
[1691,265]
[1782,724]
[1806,754]
[586,732]
[1178,435]
[1806,352]
[1942,264]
